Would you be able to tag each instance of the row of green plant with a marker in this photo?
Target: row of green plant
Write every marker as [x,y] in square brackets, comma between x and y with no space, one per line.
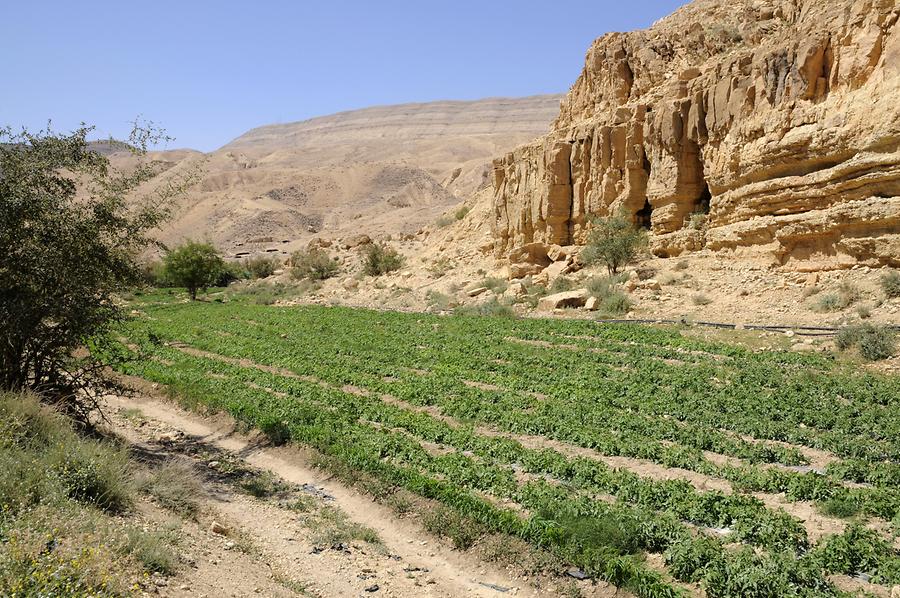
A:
[341,414]
[593,385]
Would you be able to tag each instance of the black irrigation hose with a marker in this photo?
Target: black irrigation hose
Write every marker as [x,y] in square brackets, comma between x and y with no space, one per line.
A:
[802,330]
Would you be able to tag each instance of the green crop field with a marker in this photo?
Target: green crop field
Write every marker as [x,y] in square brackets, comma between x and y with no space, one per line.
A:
[751,473]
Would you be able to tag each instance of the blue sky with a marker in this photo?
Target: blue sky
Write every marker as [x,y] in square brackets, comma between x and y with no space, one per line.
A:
[209,70]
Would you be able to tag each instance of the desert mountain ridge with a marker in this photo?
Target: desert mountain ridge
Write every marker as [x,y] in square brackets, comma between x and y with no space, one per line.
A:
[380,170]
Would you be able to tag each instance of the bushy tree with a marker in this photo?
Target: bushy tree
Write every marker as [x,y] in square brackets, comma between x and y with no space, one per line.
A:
[614,241]
[380,259]
[313,264]
[194,266]
[261,266]
[70,236]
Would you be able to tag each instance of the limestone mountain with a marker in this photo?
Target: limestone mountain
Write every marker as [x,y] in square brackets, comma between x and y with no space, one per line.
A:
[389,170]
[766,129]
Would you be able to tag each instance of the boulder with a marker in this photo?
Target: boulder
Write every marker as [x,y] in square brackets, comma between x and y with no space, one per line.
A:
[563,300]
[557,253]
[557,269]
[476,291]
[354,241]
[318,243]
[524,269]
[592,304]
[516,289]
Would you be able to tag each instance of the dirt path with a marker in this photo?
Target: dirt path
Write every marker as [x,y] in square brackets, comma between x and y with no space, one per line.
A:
[286,561]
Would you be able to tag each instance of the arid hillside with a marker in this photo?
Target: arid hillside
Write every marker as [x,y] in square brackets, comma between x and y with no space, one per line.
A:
[382,170]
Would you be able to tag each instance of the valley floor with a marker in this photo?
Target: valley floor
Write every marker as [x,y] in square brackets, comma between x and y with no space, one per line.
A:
[553,449]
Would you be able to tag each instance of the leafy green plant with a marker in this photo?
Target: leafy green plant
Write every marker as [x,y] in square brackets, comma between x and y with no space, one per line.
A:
[195,266]
[875,342]
[494,284]
[613,241]
[313,264]
[380,259]
[260,266]
[890,284]
[490,308]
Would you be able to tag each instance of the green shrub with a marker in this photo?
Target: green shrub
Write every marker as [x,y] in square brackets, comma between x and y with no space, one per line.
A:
[380,259]
[846,295]
[153,274]
[195,266]
[839,506]
[616,303]
[92,473]
[700,299]
[874,342]
[313,264]
[230,272]
[613,241]
[830,302]
[444,221]
[612,300]
[496,285]
[492,308]
[260,266]
[533,294]
[562,284]
[462,212]
[152,549]
[174,486]
[462,531]
[697,220]
[441,267]
[890,284]
[438,300]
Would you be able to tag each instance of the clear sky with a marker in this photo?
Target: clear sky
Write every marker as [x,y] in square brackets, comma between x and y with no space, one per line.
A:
[208,70]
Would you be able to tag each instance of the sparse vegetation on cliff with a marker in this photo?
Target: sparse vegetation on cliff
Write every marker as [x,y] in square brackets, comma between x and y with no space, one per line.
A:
[380,259]
[613,241]
[890,283]
[313,264]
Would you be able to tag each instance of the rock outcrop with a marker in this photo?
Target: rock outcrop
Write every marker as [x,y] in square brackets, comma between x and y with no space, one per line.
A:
[761,128]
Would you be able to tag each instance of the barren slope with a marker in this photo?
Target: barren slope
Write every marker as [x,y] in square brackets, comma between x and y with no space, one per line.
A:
[387,169]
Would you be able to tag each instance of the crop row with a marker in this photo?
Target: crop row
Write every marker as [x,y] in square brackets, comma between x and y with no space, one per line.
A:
[591,423]
[659,532]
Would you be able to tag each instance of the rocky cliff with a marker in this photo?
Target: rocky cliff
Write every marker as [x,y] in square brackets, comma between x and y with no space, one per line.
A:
[764,128]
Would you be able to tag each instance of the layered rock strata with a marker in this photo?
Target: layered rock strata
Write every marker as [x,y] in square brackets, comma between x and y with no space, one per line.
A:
[759,128]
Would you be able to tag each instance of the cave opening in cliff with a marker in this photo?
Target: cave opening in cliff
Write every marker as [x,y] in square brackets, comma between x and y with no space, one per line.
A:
[701,205]
[643,216]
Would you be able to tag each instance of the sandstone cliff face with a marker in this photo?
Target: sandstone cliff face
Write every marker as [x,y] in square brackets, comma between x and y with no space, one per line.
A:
[760,128]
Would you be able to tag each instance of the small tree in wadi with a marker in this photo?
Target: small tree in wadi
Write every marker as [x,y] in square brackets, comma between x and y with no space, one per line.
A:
[615,241]
[381,259]
[313,264]
[71,229]
[194,266]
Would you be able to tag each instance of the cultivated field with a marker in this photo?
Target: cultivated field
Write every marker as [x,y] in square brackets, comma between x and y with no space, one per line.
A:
[636,455]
